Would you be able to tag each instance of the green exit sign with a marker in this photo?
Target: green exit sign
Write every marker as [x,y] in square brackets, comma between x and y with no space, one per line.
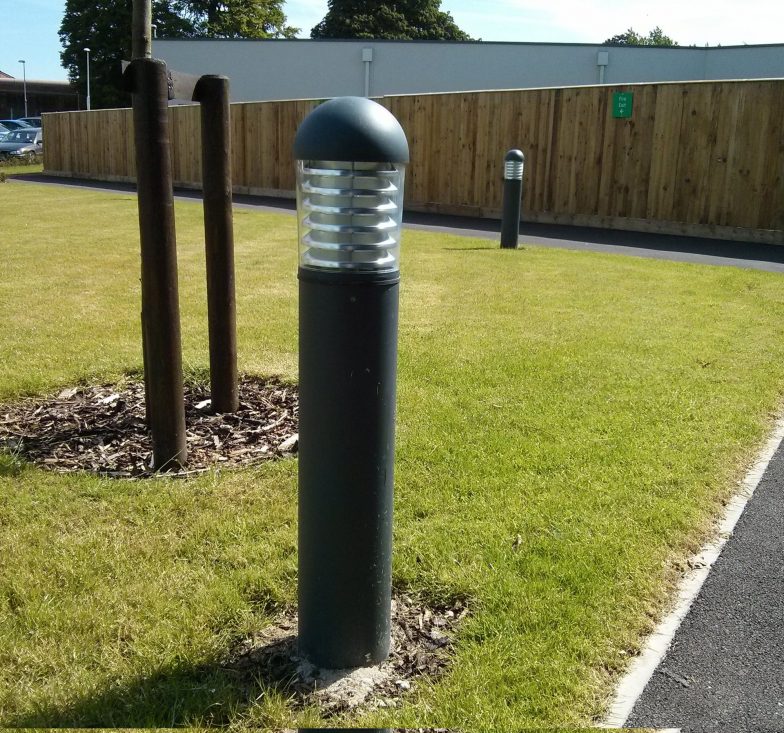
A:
[622,104]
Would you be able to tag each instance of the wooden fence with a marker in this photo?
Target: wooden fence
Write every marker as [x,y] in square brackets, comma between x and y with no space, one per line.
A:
[704,158]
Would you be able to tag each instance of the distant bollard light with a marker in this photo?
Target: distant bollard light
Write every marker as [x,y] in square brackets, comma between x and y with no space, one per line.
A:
[351,155]
[514,162]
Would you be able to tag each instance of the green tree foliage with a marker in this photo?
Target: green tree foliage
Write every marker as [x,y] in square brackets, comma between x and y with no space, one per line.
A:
[399,20]
[239,19]
[655,37]
[104,26]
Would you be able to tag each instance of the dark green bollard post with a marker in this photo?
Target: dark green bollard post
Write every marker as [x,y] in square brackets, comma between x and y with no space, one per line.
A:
[351,155]
[514,161]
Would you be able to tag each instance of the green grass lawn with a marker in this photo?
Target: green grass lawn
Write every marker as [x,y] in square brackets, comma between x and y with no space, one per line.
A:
[8,168]
[568,425]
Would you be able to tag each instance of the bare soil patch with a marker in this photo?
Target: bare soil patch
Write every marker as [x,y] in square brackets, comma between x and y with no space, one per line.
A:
[101,428]
[422,638]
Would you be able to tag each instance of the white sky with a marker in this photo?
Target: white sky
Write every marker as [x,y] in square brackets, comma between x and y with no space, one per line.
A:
[28,29]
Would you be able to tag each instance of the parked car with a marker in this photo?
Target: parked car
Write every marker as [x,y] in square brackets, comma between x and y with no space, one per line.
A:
[14,124]
[22,144]
[32,121]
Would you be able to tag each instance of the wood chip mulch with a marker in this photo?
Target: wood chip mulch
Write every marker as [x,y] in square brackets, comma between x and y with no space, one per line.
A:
[101,429]
[422,640]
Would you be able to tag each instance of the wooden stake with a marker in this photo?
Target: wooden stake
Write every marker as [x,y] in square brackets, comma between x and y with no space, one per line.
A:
[213,93]
[147,80]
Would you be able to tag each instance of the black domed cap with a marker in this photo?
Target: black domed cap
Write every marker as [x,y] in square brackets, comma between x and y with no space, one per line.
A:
[515,156]
[351,128]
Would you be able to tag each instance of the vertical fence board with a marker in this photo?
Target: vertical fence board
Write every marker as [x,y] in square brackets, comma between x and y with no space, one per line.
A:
[256,154]
[665,151]
[487,156]
[421,163]
[239,144]
[642,153]
[772,187]
[537,175]
[720,140]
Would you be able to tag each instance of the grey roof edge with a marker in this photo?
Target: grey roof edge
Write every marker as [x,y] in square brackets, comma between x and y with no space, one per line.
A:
[365,41]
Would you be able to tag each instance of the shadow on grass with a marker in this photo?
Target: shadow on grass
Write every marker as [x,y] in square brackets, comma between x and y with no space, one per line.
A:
[264,667]
[208,695]
[489,248]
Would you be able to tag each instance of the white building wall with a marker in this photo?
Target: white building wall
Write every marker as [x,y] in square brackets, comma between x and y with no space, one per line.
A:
[745,62]
[307,69]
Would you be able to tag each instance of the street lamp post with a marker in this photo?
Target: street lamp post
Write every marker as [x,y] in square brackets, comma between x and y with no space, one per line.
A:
[24,82]
[87,51]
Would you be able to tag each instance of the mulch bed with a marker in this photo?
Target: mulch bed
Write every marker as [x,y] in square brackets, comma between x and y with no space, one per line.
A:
[101,429]
[421,647]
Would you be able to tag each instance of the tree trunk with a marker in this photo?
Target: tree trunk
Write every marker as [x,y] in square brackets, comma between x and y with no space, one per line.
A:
[141,30]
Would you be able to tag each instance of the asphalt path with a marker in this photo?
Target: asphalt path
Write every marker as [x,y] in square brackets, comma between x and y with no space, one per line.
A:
[724,671]
[697,250]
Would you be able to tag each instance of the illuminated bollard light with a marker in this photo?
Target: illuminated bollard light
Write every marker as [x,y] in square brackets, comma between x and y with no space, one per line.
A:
[514,161]
[351,155]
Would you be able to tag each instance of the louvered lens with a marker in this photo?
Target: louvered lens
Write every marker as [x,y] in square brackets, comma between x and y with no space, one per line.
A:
[350,215]
[513,170]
